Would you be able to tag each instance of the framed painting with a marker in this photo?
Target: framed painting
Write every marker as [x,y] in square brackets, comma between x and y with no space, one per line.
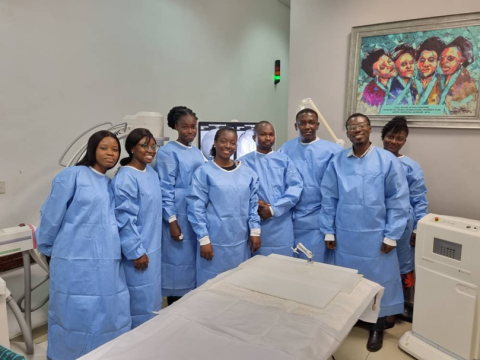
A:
[427,70]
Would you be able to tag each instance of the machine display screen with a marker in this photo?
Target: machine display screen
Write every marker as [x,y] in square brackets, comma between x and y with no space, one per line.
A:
[447,249]
[245,143]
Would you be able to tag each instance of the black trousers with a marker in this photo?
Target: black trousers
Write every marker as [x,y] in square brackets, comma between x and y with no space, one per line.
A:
[379,325]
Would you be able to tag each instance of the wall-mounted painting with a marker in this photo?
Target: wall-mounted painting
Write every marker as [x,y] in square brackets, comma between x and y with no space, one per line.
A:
[427,70]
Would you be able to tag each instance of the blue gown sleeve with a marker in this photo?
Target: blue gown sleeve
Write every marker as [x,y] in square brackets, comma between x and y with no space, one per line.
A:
[253,217]
[294,187]
[126,211]
[197,201]
[418,194]
[397,202]
[54,209]
[167,169]
[330,196]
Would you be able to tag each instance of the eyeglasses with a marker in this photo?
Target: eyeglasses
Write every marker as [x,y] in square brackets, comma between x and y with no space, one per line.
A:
[147,147]
[356,127]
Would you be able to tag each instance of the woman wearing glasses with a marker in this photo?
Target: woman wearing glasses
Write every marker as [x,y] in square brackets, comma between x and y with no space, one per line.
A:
[176,163]
[138,210]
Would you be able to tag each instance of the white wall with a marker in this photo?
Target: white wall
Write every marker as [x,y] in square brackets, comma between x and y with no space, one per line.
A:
[319,45]
[67,65]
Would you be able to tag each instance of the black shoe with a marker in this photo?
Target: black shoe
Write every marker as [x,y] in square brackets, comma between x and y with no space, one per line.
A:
[407,314]
[172,299]
[375,340]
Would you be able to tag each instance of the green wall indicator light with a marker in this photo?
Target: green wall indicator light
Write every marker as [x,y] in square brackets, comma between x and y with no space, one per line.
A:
[276,76]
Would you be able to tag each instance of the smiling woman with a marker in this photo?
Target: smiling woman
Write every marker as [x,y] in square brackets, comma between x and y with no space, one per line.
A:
[89,300]
[222,208]
[138,211]
[224,146]
[141,148]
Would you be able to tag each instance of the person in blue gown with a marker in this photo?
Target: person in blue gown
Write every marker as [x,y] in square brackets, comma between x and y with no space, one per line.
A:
[176,162]
[394,136]
[279,191]
[311,156]
[364,213]
[222,208]
[89,299]
[138,210]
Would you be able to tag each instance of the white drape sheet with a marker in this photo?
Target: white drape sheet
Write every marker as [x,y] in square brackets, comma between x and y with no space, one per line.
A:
[222,320]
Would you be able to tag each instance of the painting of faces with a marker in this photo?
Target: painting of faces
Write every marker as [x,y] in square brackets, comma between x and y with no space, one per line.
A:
[435,68]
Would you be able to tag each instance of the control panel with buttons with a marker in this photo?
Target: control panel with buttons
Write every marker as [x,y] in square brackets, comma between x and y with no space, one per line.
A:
[456,224]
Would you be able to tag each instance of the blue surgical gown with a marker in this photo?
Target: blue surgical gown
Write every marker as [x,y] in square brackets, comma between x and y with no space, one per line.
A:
[138,208]
[418,209]
[311,161]
[280,186]
[365,200]
[89,299]
[175,166]
[223,205]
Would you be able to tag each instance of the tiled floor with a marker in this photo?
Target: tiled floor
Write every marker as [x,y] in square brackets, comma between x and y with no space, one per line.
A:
[39,335]
[40,350]
[354,346]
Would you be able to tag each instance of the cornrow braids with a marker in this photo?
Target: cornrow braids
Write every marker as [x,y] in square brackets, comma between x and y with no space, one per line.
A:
[176,113]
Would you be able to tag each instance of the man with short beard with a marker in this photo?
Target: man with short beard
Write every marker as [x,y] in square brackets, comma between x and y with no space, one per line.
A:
[365,208]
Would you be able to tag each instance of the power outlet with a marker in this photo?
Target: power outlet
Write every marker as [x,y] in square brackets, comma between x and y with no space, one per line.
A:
[2,187]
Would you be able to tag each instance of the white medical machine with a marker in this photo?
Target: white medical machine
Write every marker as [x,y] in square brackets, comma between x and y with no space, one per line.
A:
[19,239]
[268,308]
[446,318]
[4,294]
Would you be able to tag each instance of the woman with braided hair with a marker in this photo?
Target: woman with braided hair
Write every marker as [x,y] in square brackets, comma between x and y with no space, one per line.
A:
[175,165]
